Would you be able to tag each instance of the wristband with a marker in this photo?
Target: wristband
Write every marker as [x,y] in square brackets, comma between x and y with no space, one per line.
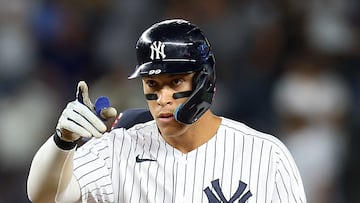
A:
[62,144]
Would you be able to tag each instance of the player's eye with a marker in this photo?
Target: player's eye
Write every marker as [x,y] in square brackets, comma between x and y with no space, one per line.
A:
[177,81]
[151,83]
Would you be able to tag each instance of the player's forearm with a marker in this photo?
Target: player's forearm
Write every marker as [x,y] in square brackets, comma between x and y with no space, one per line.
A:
[50,167]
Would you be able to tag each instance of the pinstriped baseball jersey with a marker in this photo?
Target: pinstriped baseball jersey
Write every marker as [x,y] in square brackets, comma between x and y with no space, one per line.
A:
[238,164]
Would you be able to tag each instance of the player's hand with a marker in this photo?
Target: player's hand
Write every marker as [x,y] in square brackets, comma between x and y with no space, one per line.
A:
[79,117]
[76,121]
[102,106]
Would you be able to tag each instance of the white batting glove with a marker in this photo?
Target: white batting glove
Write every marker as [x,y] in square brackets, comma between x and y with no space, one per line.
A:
[79,118]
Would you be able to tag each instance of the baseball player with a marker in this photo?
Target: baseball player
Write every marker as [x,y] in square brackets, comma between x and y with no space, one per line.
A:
[184,153]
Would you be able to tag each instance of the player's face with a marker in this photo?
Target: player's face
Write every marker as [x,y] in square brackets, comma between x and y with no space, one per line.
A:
[162,107]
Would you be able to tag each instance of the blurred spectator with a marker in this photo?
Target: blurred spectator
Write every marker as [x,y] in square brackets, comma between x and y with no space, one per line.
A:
[64,32]
[328,27]
[322,25]
[312,105]
[23,122]
[16,45]
[116,38]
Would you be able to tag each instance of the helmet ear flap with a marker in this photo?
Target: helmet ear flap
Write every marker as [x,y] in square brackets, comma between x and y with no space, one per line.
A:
[209,74]
[199,101]
[202,81]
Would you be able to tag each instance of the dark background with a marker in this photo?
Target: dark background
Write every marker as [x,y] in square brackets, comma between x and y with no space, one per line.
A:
[288,68]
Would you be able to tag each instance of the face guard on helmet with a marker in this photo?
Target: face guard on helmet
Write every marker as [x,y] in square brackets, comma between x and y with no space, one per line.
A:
[178,47]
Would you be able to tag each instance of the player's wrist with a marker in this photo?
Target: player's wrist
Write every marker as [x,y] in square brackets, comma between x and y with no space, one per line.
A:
[64,144]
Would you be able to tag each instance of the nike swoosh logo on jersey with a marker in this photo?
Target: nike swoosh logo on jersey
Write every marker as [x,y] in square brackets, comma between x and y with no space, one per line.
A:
[139,160]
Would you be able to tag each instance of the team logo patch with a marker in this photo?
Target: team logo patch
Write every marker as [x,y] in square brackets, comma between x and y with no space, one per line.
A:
[157,50]
[240,194]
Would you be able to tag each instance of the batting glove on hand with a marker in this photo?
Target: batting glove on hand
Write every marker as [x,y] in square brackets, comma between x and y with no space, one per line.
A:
[79,117]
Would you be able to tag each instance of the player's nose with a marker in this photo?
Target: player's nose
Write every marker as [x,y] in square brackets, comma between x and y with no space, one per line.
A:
[165,96]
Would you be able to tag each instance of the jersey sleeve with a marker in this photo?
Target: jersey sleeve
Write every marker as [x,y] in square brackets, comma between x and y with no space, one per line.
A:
[288,182]
[92,169]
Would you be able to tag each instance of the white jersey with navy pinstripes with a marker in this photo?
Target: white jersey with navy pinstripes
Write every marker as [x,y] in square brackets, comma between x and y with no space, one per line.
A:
[238,164]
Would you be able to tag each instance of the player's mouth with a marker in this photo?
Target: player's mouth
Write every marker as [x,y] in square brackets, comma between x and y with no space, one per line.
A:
[166,117]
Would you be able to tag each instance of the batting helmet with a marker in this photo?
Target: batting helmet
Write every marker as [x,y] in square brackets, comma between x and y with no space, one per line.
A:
[177,47]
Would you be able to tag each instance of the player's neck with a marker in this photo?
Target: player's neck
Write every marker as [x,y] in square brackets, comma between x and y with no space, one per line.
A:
[198,134]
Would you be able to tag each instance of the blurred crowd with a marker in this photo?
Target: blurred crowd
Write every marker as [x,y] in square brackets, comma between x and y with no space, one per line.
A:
[289,68]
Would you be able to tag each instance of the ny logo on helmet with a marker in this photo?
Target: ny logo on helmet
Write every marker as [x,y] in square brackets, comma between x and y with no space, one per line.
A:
[157,49]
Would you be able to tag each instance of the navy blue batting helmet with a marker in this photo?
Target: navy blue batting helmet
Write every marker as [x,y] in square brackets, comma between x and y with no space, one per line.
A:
[177,47]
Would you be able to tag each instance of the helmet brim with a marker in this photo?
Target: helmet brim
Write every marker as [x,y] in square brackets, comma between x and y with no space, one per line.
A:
[176,66]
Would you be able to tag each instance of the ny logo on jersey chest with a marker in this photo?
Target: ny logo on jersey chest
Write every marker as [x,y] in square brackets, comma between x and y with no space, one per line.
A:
[220,198]
[157,50]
